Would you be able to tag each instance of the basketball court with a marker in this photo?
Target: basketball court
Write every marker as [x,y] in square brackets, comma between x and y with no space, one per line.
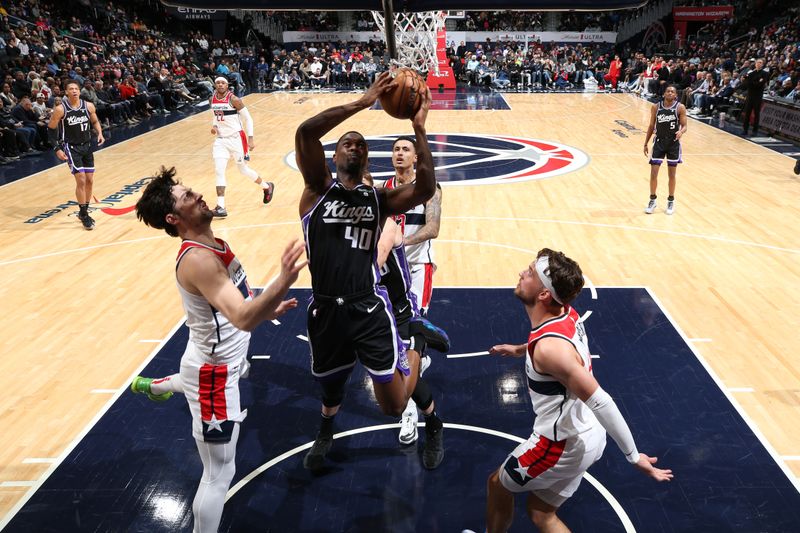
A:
[691,317]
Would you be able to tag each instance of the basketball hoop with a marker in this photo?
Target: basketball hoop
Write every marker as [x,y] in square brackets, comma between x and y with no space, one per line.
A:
[415,37]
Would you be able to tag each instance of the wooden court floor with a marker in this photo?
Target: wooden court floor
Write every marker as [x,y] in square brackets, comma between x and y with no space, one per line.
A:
[82,310]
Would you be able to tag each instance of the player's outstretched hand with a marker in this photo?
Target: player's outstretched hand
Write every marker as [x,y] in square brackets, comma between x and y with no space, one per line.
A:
[290,268]
[418,120]
[383,82]
[645,466]
[507,350]
[284,306]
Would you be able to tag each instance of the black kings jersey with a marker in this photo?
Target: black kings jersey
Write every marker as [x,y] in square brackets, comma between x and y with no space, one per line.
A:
[396,277]
[342,232]
[76,126]
[667,122]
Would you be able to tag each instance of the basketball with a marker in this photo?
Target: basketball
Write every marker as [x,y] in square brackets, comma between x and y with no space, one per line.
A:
[404,99]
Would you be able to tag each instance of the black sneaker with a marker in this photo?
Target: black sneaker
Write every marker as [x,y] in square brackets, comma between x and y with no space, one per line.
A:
[315,458]
[87,221]
[219,212]
[797,167]
[433,449]
[268,192]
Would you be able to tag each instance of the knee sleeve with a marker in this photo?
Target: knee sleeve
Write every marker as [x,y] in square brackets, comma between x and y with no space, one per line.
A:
[219,169]
[333,392]
[247,171]
[422,395]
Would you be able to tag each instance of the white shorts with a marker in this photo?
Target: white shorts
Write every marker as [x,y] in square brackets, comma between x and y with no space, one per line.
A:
[212,392]
[552,470]
[422,284]
[234,147]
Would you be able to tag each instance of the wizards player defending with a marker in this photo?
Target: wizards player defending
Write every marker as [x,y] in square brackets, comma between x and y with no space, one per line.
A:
[221,311]
[572,411]
[350,315]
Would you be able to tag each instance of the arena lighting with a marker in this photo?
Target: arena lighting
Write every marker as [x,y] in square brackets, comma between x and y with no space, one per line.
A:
[409,5]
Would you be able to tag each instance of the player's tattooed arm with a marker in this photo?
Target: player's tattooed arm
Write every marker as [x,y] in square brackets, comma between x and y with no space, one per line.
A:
[433,216]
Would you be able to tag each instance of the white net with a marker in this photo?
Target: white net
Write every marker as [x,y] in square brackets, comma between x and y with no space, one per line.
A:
[415,38]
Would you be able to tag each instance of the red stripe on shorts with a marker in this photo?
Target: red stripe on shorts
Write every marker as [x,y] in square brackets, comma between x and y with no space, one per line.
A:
[212,392]
[244,142]
[542,457]
[427,286]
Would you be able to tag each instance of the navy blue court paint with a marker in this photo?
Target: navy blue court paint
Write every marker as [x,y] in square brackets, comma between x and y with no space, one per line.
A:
[464,98]
[138,468]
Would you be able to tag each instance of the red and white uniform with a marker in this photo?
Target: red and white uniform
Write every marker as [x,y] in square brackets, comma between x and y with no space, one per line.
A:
[567,438]
[420,256]
[231,140]
[215,355]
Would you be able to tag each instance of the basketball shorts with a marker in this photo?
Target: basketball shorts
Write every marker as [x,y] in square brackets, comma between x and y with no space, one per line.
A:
[234,147]
[212,391]
[552,470]
[669,150]
[361,327]
[422,284]
[80,157]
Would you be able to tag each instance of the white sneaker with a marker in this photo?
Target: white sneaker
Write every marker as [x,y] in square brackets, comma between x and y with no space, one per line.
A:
[670,207]
[408,424]
[424,363]
[651,206]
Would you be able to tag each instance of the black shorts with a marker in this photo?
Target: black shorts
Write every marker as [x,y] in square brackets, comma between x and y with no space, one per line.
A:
[402,317]
[341,330]
[670,150]
[80,157]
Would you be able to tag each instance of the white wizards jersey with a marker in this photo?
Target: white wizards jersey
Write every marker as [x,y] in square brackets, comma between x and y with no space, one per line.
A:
[226,117]
[560,414]
[410,222]
[209,330]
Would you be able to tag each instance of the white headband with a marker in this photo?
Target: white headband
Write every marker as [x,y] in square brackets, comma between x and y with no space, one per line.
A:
[543,269]
[220,78]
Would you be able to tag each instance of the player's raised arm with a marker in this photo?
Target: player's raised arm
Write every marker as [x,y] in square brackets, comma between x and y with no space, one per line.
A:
[308,148]
[403,198]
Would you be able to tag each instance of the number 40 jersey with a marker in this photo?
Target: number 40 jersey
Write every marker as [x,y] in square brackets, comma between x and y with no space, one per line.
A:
[342,232]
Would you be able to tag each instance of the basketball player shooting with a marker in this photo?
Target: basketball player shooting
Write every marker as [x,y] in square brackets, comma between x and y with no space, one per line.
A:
[350,315]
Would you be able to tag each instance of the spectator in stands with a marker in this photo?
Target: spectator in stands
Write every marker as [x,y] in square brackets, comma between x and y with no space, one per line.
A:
[295,81]
[21,86]
[40,108]
[7,97]
[281,80]
[262,73]
[23,114]
[14,140]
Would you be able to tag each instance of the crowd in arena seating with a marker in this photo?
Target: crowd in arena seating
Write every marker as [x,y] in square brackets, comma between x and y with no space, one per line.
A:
[126,67]
[130,69]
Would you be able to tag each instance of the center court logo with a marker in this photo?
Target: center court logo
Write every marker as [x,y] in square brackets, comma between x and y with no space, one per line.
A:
[470,159]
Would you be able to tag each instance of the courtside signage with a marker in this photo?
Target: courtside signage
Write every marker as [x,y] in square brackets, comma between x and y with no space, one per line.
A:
[108,205]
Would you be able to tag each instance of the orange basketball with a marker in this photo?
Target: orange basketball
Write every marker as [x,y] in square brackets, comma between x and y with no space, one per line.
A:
[404,99]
